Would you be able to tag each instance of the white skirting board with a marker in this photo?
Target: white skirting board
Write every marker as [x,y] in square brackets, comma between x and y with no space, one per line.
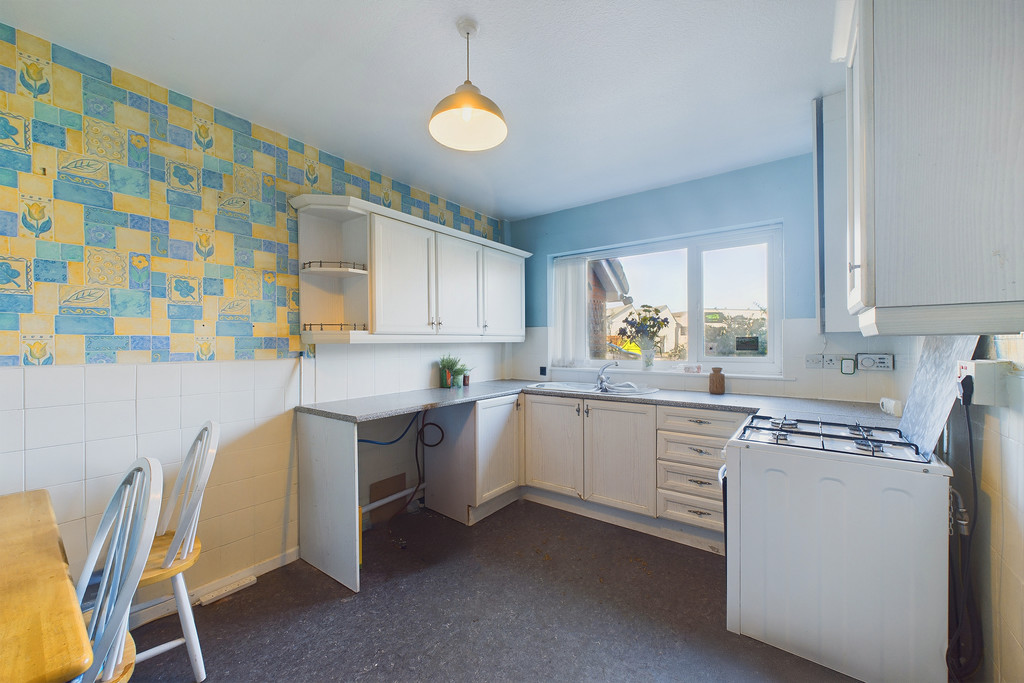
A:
[695,537]
[164,606]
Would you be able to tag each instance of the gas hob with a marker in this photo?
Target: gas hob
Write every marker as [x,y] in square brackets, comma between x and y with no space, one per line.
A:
[835,437]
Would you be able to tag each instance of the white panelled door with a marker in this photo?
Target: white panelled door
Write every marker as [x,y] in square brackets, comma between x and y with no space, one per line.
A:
[497,447]
[504,286]
[554,449]
[620,455]
[459,286]
[402,277]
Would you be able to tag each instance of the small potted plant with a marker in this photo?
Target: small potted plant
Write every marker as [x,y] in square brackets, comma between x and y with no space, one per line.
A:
[643,329]
[452,370]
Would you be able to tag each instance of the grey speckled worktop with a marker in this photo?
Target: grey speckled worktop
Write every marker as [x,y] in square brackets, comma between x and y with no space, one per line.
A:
[389,405]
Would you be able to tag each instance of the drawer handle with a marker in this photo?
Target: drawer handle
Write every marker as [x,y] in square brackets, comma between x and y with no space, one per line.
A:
[699,513]
[702,451]
[699,422]
[699,482]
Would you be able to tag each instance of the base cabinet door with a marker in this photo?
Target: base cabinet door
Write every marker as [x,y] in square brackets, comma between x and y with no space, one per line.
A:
[497,447]
[554,448]
[619,455]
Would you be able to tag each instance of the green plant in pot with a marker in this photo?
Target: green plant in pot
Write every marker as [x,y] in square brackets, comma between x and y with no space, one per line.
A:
[452,370]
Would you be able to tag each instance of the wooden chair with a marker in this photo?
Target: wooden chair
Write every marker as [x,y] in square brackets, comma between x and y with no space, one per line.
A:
[126,534]
[174,552]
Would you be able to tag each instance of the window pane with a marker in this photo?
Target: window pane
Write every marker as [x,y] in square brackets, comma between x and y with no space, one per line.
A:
[617,288]
[736,301]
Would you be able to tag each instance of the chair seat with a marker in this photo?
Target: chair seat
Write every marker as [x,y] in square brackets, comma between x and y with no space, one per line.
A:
[154,572]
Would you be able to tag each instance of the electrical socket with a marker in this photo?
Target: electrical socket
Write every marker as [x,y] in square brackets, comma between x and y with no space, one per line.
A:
[813,361]
[831,361]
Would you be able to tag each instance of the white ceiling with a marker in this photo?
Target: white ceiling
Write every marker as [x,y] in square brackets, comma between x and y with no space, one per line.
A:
[602,97]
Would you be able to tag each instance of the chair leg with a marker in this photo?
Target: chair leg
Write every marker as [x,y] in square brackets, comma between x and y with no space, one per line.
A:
[188,627]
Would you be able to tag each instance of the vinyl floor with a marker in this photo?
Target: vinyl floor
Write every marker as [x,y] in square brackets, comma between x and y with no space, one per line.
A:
[529,594]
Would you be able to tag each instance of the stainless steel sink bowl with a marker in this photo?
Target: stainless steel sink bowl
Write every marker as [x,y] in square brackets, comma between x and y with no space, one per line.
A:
[579,387]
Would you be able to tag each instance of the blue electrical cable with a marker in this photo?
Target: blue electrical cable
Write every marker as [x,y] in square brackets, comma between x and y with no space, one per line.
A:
[388,443]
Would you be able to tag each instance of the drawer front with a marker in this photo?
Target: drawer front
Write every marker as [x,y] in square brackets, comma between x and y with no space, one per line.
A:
[691,479]
[697,421]
[688,448]
[690,510]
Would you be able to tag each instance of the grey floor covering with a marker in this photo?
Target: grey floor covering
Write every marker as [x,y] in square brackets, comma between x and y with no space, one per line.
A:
[529,594]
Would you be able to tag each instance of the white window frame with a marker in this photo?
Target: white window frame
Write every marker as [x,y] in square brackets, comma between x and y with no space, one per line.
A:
[769,234]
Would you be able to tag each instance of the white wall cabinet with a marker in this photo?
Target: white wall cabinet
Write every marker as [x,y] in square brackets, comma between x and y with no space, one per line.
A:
[472,473]
[374,275]
[935,205]
[600,451]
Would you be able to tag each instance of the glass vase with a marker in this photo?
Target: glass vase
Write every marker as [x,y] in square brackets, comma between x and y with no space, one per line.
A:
[647,359]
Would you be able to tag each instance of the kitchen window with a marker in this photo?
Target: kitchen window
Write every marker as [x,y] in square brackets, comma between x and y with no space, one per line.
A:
[718,298]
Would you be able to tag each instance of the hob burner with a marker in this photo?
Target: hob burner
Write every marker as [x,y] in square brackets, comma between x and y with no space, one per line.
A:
[860,430]
[868,445]
[783,423]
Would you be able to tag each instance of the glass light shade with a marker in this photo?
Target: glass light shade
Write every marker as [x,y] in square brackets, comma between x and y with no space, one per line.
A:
[467,121]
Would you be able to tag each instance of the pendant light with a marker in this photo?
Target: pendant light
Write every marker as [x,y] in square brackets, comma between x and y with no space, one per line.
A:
[466,120]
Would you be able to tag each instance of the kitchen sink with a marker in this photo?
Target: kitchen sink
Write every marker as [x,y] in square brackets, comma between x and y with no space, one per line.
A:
[623,389]
[583,387]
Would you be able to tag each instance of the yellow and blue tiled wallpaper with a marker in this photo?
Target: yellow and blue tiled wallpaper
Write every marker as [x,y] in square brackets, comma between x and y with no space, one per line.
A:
[139,225]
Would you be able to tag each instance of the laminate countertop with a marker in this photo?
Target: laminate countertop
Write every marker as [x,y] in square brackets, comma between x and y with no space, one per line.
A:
[389,405]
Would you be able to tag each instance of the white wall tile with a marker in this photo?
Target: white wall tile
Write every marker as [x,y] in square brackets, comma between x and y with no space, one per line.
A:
[98,492]
[164,446]
[54,465]
[109,419]
[54,426]
[12,472]
[237,406]
[158,414]
[200,378]
[360,371]
[68,501]
[237,375]
[12,388]
[58,385]
[113,382]
[75,536]
[268,402]
[158,380]
[12,430]
[110,456]
[275,374]
[198,408]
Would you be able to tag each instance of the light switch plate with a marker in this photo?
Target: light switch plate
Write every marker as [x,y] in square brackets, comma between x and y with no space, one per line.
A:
[847,366]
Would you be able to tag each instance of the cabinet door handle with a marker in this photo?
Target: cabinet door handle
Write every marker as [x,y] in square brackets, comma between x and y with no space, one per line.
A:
[577,408]
[587,411]
[439,323]
[699,513]
[699,482]
[485,325]
[701,451]
[852,267]
[431,321]
[699,422]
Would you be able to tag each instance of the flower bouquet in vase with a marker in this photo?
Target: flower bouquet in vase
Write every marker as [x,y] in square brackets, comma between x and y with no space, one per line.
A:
[642,329]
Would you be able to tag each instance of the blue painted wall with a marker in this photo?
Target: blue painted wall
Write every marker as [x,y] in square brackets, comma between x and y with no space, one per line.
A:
[778,191]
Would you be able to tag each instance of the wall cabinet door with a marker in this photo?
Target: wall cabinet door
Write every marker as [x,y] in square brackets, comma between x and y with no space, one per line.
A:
[459,280]
[554,448]
[934,216]
[619,455]
[402,277]
[497,447]
[504,286]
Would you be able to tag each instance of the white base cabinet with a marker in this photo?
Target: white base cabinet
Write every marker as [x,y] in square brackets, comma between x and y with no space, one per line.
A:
[599,451]
[477,469]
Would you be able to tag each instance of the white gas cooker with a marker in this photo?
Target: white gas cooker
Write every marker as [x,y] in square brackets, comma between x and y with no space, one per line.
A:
[836,546]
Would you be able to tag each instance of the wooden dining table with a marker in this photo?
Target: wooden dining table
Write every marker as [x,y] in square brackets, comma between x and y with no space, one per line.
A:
[42,632]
